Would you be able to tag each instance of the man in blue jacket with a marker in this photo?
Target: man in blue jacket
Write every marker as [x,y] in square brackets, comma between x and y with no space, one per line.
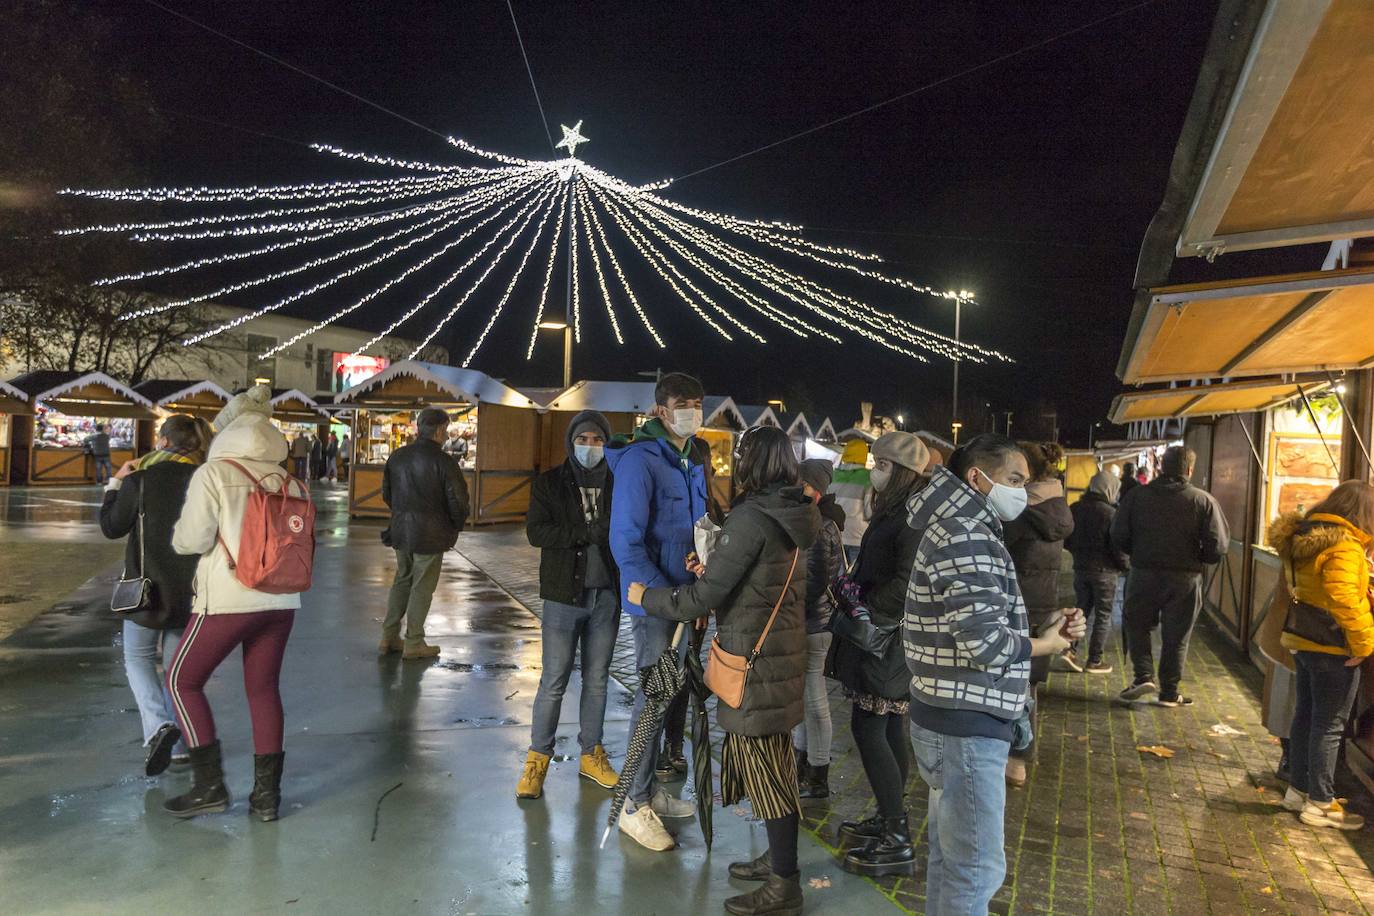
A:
[659,492]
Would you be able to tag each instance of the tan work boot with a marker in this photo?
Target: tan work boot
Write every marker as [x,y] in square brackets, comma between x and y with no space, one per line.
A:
[531,784]
[596,766]
[387,646]
[419,649]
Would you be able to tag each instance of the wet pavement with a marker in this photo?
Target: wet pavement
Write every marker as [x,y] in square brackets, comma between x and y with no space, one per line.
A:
[399,785]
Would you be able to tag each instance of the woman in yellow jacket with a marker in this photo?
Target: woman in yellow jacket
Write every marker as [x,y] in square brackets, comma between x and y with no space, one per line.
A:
[1330,631]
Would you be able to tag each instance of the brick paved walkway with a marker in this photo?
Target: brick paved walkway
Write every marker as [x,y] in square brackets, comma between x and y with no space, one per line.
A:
[1102,827]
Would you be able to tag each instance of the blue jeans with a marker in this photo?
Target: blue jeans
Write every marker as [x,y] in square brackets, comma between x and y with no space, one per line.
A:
[652,637]
[594,623]
[141,656]
[1325,694]
[968,800]
[102,468]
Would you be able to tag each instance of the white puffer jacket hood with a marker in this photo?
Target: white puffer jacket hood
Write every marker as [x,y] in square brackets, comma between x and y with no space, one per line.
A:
[215,503]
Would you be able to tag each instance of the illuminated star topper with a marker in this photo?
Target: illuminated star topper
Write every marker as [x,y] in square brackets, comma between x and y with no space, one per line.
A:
[572,137]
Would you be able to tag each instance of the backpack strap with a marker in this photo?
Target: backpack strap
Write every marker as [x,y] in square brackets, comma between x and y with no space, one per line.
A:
[287,479]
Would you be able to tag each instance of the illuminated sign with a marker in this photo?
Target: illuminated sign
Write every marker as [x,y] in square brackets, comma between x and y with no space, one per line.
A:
[350,369]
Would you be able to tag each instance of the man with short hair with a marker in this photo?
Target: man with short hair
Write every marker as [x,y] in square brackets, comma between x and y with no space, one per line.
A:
[659,493]
[98,447]
[300,456]
[429,506]
[1172,531]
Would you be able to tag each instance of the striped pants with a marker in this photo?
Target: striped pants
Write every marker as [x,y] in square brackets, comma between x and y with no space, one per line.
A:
[208,641]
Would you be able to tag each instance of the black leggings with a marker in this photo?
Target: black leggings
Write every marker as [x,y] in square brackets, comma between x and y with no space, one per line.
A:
[882,743]
[782,844]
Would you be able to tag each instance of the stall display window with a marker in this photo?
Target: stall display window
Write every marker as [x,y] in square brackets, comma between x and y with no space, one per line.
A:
[722,445]
[57,430]
[1301,470]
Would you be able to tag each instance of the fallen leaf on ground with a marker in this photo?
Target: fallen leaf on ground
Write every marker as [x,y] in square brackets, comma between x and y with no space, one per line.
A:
[1158,750]
[1222,730]
[818,883]
[1267,890]
[1082,737]
[1140,815]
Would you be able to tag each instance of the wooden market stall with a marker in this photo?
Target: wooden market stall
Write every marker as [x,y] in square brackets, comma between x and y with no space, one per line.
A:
[197,399]
[503,423]
[67,406]
[14,412]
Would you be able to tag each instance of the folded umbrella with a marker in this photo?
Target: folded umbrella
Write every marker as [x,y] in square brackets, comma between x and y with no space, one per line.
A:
[701,745]
[660,682]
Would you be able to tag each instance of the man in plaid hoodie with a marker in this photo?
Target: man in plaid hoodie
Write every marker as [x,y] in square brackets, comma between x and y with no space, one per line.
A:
[968,646]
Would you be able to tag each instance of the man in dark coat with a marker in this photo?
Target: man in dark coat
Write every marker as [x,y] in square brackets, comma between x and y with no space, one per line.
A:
[569,521]
[1097,564]
[429,506]
[1172,531]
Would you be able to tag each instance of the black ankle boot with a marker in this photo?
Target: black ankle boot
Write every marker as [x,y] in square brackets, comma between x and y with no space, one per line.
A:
[891,854]
[757,870]
[266,797]
[208,793]
[816,783]
[859,832]
[779,897]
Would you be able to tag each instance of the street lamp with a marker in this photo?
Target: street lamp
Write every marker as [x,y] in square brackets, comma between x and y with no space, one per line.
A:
[954,401]
[567,346]
[956,426]
[901,421]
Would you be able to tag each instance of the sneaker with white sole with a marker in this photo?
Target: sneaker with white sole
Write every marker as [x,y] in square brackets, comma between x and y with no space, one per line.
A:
[1139,689]
[1331,814]
[665,805]
[1068,661]
[1294,801]
[1097,668]
[643,826]
[1174,702]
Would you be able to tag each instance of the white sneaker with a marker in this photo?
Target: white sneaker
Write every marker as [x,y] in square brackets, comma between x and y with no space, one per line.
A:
[1330,815]
[643,826]
[665,805]
[1293,800]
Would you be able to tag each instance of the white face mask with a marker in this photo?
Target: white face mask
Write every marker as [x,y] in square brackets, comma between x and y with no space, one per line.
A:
[879,478]
[589,456]
[686,421]
[1007,503]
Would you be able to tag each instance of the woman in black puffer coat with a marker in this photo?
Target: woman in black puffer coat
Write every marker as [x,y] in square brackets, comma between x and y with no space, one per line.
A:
[1035,540]
[880,688]
[757,565]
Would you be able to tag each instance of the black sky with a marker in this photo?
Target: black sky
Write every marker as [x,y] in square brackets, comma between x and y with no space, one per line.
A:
[1030,182]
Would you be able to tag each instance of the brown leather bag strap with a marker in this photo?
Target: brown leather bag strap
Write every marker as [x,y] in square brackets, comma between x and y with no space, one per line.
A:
[776,607]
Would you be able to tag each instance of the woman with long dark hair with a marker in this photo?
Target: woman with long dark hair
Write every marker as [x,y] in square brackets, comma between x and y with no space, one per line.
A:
[756,586]
[880,686]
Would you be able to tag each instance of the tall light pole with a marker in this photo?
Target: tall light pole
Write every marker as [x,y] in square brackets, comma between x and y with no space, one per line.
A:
[954,423]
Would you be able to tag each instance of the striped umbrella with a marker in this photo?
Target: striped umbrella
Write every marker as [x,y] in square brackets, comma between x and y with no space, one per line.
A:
[660,682]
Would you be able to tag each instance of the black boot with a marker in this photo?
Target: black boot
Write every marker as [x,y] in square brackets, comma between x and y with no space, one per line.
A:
[816,783]
[889,855]
[859,832]
[757,870]
[779,897]
[208,793]
[266,797]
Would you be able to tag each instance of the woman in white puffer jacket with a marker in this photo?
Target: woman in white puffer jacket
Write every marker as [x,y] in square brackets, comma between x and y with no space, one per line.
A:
[227,614]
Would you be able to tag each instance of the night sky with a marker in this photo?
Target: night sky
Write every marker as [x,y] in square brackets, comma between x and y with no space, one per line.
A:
[1029,182]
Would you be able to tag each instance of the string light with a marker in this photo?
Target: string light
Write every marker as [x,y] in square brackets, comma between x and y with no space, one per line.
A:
[708,260]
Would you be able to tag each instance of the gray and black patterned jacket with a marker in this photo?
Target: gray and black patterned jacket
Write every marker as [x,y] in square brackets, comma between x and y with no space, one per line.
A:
[966,632]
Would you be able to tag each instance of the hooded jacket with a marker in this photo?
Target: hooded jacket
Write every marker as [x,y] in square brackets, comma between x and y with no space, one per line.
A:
[966,632]
[743,581]
[1035,540]
[659,493]
[1170,525]
[215,503]
[1324,559]
[1091,540]
[557,524]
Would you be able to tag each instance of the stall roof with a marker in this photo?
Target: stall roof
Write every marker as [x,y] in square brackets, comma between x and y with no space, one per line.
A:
[165,392]
[451,384]
[1290,159]
[607,397]
[794,424]
[756,415]
[77,394]
[294,404]
[855,432]
[826,431]
[721,412]
[1210,400]
[13,401]
[1260,326]
[540,396]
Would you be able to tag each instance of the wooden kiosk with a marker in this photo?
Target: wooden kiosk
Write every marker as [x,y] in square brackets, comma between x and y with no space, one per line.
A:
[197,399]
[66,408]
[14,411]
[503,423]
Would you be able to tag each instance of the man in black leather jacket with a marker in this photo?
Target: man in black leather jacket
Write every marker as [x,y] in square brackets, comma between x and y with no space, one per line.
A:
[429,504]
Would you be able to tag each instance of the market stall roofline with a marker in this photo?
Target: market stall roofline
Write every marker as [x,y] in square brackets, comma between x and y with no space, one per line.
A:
[167,391]
[1272,325]
[465,385]
[825,428]
[13,401]
[50,384]
[756,414]
[1212,400]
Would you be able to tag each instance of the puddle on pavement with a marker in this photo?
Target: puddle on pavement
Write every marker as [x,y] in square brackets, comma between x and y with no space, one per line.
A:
[496,669]
[486,721]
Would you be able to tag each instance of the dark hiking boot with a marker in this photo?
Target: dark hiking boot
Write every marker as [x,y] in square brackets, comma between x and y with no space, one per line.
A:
[160,750]
[891,854]
[757,870]
[266,797]
[859,832]
[208,793]
[779,897]
[816,782]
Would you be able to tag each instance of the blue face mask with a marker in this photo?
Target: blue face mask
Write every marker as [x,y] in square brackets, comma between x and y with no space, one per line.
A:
[589,456]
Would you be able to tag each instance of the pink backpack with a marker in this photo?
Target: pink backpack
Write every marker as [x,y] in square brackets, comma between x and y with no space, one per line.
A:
[277,540]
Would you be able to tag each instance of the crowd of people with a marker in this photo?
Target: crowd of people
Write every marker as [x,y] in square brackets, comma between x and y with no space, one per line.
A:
[927,590]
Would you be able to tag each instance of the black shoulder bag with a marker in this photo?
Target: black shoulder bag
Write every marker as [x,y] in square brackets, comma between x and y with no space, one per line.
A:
[1309,622]
[134,594]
